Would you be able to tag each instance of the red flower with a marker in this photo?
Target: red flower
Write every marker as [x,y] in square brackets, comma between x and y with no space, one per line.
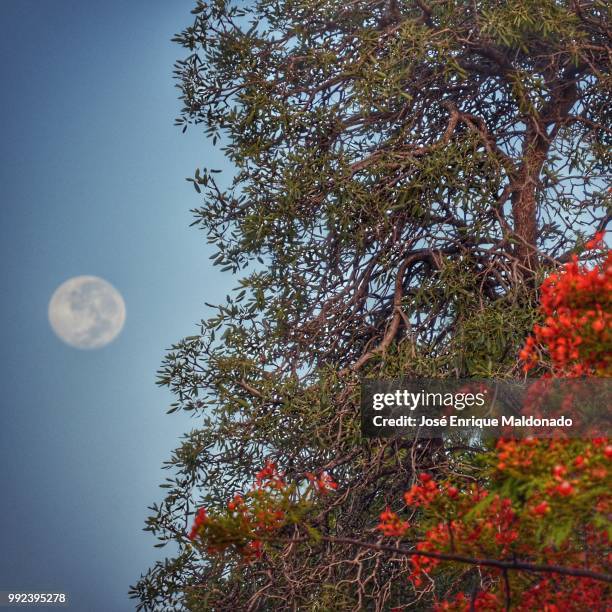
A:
[253,550]
[269,477]
[559,470]
[541,509]
[596,241]
[598,325]
[565,488]
[391,525]
[200,519]
[323,483]
[422,494]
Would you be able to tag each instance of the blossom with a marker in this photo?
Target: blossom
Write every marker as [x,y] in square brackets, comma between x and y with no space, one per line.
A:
[269,477]
[323,483]
[452,491]
[201,519]
[391,525]
[576,333]
[564,488]
[541,509]
[559,470]
[422,494]
[595,242]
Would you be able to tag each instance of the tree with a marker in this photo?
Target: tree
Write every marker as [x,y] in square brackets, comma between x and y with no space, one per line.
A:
[406,173]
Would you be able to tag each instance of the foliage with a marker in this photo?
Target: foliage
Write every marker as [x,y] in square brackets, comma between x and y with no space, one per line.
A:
[538,506]
[405,174]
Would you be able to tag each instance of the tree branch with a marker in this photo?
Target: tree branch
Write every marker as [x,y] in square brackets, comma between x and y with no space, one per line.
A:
[502,565]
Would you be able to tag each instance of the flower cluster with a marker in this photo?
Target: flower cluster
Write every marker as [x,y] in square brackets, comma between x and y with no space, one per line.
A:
[509,458]
[494,527]
[564,490]
[253,518]
[555,595]
[424,493]
[323,483]
[482,601]
[391,525]
[200,520]
[270,477]
[576,304]
[540,492]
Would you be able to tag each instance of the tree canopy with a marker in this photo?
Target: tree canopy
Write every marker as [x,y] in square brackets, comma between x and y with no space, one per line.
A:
[406,173]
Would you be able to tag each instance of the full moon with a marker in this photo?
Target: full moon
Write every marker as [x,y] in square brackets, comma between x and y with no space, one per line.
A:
[86,312]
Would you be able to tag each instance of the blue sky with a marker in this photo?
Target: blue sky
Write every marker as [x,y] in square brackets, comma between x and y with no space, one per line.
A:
[92,181]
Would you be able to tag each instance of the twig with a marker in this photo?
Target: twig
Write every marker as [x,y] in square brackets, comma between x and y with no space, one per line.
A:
[503,565]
